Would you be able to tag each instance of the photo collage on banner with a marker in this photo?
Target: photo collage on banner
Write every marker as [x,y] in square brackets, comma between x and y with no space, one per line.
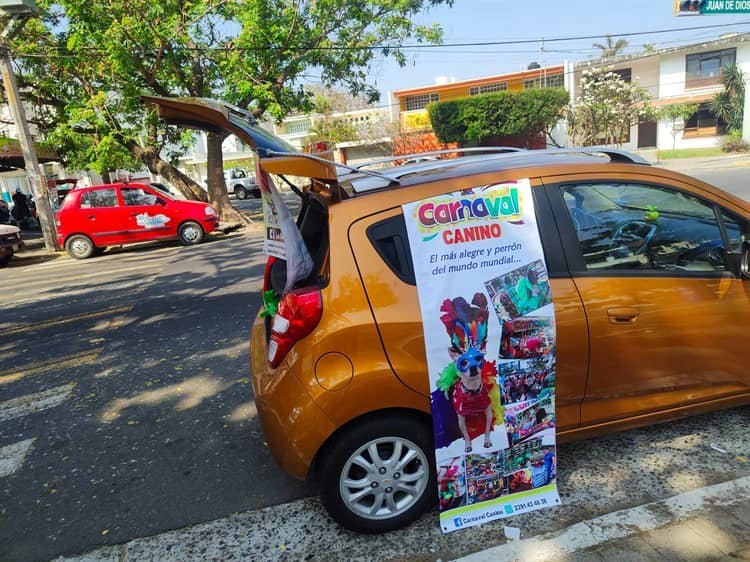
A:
[489,329]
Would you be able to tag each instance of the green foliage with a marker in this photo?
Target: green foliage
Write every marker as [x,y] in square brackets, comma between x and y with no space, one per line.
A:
[84,64]
[735,143]
[499,114]
[611,48]
[730,104]
[335,130]
[675,112]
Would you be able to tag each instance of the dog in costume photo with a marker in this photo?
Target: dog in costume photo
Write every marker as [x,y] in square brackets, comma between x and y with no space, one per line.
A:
[469,382]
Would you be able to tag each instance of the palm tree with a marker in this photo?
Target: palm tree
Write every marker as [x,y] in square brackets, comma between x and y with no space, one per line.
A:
[612,48]
[729,104]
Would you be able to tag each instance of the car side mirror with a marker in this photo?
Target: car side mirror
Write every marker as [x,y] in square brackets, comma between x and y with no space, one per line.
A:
[717,256]
[160,201]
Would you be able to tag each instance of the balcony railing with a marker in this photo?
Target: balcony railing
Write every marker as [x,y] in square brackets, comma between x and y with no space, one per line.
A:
[702,82]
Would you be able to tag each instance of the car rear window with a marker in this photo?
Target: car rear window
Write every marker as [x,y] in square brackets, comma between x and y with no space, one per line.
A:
[391,241]
[312,222]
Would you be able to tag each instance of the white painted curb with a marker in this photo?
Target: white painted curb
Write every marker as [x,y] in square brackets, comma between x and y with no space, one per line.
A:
[616,525]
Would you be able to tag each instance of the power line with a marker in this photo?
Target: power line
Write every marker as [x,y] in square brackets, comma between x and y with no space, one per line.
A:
[409,47]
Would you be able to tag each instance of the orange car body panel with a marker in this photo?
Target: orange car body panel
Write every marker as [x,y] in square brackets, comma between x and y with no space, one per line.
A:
[367,353]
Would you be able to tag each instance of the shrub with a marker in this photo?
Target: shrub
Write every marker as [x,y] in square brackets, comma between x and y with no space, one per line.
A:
[497,115]
[735,144]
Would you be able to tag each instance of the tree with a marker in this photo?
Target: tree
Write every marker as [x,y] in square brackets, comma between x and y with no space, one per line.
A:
[89,62]
[677,112]
[606,109]
[610,49]
[729,105]
[279,43]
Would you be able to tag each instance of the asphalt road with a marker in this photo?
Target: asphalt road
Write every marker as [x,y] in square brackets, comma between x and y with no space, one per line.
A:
[126,410]
[145,352]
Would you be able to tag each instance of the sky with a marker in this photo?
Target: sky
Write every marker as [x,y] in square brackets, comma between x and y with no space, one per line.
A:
[478,21]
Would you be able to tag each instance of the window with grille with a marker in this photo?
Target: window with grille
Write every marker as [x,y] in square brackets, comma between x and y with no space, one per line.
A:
[420,101]
[488,88]
[551,81]
[297,127]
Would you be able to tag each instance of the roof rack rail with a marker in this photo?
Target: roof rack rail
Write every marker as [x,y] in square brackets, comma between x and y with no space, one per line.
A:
[391,181]
[469,150]
[614,154]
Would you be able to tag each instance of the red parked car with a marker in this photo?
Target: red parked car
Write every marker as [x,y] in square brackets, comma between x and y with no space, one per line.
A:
[92,218]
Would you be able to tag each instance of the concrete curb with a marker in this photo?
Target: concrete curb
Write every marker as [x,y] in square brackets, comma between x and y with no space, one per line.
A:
[618,525]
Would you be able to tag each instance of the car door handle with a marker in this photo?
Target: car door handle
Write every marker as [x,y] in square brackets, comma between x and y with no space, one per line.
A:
[625,315]
[91,217]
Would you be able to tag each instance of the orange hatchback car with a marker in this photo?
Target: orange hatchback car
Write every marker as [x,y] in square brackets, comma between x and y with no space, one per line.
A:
[650,313]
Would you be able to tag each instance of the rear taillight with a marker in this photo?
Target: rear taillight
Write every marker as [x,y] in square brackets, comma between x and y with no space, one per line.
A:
[298,313]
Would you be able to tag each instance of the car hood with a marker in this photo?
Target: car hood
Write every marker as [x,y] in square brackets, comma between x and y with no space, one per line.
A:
[275,154]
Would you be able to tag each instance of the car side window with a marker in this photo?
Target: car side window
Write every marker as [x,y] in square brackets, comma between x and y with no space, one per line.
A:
[644,227]
[135,196]
[391,241]
[98,198]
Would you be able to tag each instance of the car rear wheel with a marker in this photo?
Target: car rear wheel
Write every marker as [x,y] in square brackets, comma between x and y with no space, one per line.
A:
[380,475]
[80,247]
[240,193]
[190,233]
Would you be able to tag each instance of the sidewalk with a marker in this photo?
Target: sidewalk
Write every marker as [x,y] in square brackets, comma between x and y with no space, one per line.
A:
[732,160]
[712,523]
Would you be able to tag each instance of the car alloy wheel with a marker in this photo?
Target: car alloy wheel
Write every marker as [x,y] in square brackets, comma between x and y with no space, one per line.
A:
[384,478]
[80,247]
[191,233]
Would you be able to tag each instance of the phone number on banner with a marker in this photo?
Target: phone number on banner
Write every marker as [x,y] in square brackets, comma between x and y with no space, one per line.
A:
[498,509]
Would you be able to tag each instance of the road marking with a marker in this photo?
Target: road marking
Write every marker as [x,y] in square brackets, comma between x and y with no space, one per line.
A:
[12,375]
[12,456]
[36,402]
[74,318]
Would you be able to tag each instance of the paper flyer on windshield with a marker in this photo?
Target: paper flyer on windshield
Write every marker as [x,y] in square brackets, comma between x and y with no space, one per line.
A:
[489,329]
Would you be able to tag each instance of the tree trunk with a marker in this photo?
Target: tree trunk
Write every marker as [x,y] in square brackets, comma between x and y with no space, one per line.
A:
[217,187]
[156,165]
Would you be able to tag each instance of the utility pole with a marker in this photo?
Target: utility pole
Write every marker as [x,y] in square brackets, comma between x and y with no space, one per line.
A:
[37,178]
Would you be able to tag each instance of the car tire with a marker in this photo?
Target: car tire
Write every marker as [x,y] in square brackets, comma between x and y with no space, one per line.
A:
[400,493]
[256,192]
[5,260]
[240,192]
[80,247]
[190,233]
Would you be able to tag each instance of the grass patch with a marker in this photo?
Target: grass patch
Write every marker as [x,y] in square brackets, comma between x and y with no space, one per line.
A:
[690,153]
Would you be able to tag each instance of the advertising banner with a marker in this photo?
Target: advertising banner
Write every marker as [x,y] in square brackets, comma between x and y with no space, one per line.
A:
[489,329]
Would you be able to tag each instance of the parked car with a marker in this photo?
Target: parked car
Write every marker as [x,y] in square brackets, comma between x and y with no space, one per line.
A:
[241,184]
[650,314]
[10,242]
[92,218]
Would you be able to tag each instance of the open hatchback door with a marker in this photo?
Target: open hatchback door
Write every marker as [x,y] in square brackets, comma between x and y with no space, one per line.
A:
[276,156]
